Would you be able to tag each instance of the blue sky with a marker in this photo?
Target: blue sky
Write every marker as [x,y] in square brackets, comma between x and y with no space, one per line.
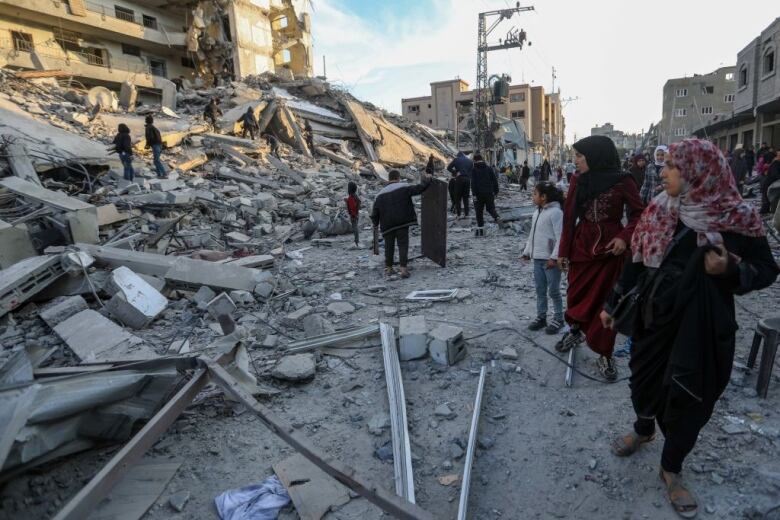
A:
[614,55]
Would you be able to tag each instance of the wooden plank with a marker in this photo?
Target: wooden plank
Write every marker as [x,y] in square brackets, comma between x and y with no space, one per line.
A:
[433,225]
[389,503]
[312,491]
[32,74]
[138,490]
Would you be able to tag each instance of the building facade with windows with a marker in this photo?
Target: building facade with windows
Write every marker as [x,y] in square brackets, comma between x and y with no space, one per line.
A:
[626,142]
[755,114]
[451,101]
[150,42]
[692,102]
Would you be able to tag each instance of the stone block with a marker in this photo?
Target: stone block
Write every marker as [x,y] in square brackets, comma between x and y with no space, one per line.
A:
[446,344]
[340,308]
[316,324]
[414,337]
[264,201]
[264,290]
[221,305]
[203,297]
[242,297]
[294,318]
[135,303]
[298,367]
[61,309]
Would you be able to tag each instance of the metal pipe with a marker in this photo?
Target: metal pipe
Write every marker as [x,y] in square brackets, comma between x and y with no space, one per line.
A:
[570,368]
[464,488]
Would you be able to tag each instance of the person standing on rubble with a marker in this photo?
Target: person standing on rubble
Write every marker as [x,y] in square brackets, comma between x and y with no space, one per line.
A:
[525,174]
[249,121]
[353,208]
[461,168]
[309,135]
[212,112]
[393,213]
[484,187]
[154,141]
[123,146]
[593,244]
[696,246]
[273,143]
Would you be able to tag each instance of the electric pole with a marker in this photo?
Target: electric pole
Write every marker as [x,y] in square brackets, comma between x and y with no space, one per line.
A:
[554,77]
[514,39]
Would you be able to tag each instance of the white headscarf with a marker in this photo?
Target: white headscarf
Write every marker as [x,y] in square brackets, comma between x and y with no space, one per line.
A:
[664,149]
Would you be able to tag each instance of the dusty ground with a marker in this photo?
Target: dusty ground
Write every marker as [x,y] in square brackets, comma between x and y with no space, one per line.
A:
[545,447]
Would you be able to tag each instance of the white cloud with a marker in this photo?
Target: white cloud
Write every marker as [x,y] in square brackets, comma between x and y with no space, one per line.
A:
[615,55]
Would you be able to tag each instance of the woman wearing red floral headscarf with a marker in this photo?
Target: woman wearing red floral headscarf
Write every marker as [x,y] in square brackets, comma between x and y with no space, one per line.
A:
[695,247]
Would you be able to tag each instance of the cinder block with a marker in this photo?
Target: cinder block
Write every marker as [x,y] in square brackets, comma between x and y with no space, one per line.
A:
[203,297]
[135,303]
[446,344]
[60,310]
[414,338]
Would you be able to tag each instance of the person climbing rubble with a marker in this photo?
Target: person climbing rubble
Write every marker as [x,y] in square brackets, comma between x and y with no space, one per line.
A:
[353,208]
[460,168]
[249,121]
[309,134]
[273,143]
[484,186]
[123,146]
[394,213]
[154,141]
[212,111]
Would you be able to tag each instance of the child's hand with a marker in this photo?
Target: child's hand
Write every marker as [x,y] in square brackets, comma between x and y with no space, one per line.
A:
[551,264]
[525,257]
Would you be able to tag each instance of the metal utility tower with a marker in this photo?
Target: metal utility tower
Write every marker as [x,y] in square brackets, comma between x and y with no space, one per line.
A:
[514,39]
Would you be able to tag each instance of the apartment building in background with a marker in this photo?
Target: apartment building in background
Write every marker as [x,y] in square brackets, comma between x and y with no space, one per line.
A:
[693,102]
[151,42]
[755,114]
[451,101]
[622,140]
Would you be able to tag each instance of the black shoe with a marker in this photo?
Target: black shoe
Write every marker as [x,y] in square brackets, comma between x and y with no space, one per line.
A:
[555,325]
[608,368]
[538,324]
[569,340]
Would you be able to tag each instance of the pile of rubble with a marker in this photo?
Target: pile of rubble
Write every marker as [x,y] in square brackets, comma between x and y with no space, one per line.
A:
[112,289]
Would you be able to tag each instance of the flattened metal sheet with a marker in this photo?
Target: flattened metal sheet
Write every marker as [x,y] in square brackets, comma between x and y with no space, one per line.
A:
[433,225]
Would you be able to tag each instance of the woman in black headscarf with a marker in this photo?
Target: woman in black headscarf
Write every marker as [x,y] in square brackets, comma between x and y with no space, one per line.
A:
[593,243]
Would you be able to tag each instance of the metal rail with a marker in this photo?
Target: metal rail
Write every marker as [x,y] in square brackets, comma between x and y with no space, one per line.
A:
[334,338]
[464,488]
[570,368]
[402,452]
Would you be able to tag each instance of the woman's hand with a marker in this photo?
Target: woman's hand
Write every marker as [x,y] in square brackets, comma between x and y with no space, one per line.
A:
[716,262]
[607,321]
[551,264]
[616,246]
[563,264]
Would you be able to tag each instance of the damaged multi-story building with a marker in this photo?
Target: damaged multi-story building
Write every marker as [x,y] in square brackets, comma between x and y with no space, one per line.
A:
[154,44]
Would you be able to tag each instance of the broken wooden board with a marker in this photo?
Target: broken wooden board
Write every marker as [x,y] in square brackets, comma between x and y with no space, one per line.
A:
[312,491]
[433,225]
[138,490]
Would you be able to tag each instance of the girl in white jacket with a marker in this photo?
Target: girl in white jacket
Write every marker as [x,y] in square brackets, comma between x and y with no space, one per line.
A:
[542,248]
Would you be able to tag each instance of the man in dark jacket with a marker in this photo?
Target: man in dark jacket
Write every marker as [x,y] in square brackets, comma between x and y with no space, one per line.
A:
[249,121]
[212,111]
[484,187]
[460,168]
[394,213]
[750,159]
[545,171]
[123,146]
[525,174]
[154,141]
[739,168]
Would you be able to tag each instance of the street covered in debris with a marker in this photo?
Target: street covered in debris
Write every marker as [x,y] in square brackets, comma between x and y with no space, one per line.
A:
[202,316]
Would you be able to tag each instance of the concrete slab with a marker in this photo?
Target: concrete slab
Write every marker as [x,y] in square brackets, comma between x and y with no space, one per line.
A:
[413,337]
[93,337]
[135,302]
[61,309]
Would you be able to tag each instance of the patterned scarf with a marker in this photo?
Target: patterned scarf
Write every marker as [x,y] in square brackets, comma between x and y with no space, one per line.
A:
[709,204]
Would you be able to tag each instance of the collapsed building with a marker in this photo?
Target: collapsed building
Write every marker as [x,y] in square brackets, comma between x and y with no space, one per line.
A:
[155,45]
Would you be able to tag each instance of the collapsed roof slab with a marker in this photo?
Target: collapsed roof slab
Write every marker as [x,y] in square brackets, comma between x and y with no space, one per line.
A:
[47,144]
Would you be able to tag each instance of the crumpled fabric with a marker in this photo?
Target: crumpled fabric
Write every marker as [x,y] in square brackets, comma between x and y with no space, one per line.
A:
[257,502]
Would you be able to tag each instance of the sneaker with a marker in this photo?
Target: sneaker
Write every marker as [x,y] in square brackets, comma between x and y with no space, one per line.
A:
[569,340]
[538,324]
[389,271]
[624,350]
[555,325]
[404,272]
[607,368]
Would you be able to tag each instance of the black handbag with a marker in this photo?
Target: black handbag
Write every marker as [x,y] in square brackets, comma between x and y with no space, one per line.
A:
[626,311]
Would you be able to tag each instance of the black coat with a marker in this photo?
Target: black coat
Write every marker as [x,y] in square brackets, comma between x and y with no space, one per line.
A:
[461,165]
[393,207]
[153,136]
[483,180]
[123,143]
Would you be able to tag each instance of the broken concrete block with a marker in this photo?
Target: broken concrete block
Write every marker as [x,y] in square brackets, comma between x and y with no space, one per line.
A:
[261,261]
[165,184]
[203,297]
[222,305]
[236,236]
[179,500]
[135,303]
[128,95]
[316,324]
[414,337]
[242,297]
[446,344]
[93,337]
[264,290]
[61,309]
[264,201]
[179,197]
[298,367]
[294,318]
[340,308]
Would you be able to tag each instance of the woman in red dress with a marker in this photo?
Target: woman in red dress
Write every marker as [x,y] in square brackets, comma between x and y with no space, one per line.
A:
[593,243]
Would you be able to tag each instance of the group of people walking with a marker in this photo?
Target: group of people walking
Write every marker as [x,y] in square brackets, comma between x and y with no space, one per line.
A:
[657,252]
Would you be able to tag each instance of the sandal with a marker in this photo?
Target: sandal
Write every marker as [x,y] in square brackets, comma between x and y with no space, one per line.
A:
[680,497]
[624,448]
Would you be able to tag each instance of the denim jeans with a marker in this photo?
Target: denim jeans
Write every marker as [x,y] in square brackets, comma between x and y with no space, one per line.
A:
[158,165]
[127,163]
[548,281]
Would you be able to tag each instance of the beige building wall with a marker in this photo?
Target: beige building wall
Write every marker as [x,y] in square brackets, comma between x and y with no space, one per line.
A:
[536,129]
